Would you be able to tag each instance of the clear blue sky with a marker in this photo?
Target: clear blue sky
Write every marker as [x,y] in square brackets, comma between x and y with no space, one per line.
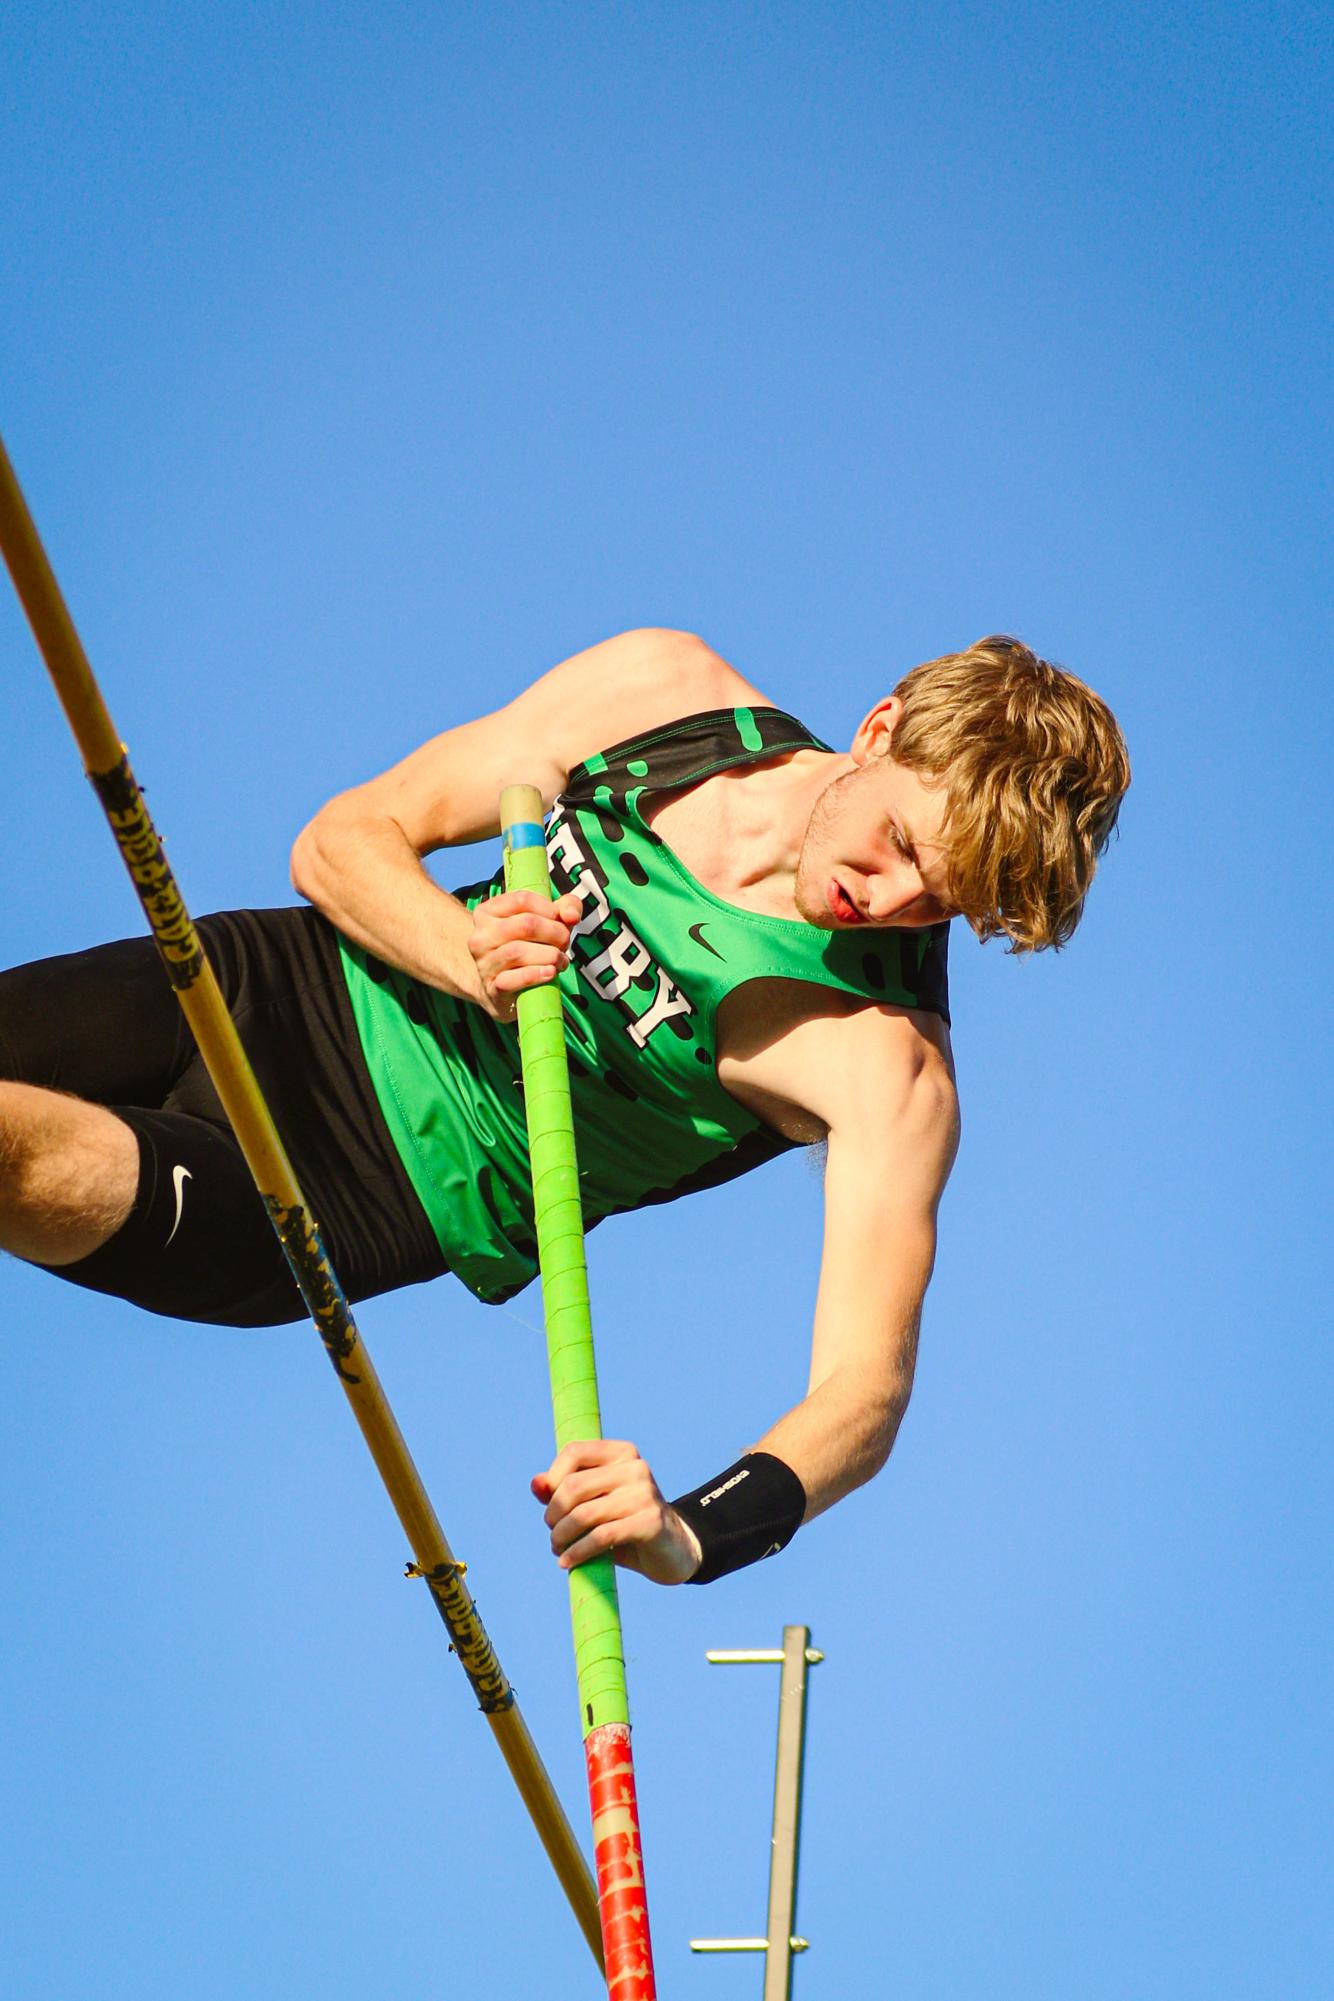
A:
[361,361]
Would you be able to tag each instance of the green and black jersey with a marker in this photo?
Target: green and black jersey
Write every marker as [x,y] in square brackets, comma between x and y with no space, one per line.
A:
[652,956]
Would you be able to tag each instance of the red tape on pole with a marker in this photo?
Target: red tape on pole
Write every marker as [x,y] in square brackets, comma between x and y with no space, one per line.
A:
[618,1864]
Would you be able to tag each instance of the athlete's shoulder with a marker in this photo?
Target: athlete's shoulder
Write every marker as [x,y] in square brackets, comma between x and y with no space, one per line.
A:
[632,683]
[840,1063]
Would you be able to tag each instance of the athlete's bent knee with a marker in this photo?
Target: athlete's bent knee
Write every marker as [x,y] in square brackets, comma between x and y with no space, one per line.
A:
[69,1172]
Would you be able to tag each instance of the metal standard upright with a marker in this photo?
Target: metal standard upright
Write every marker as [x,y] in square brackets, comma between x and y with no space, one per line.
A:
[779,1944]
[197,990]
[594,1607]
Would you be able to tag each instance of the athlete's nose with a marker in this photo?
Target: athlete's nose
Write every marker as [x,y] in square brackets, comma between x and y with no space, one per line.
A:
[890,895]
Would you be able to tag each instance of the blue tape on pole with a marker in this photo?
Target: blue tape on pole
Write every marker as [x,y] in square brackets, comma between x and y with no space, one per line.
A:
[525,834]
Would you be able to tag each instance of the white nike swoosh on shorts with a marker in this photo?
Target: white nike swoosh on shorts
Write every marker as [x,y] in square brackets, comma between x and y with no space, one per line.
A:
[179,1175]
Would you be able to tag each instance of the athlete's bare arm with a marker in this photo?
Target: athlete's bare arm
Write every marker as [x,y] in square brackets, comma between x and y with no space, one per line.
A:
[891,1109]
[360,858]
[879,1082]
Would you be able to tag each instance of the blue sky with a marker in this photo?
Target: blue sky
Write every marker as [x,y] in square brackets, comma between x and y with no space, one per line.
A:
[359,363]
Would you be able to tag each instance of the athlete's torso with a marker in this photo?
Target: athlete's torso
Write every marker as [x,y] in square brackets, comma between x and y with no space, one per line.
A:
[654,956]
[730,831]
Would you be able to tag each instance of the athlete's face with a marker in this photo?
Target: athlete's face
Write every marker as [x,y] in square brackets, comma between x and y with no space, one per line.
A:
[872,852]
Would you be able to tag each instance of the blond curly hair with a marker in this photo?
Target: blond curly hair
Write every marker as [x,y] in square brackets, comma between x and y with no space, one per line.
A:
[1034,768]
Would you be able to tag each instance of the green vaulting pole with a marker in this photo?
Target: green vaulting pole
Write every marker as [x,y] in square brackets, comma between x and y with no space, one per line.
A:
[201,999]
[598,1651]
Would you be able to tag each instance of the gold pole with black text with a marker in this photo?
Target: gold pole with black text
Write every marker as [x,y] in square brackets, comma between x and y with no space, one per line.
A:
[191,976]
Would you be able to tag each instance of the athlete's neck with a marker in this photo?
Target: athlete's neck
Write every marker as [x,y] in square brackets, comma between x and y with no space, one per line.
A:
[740,832]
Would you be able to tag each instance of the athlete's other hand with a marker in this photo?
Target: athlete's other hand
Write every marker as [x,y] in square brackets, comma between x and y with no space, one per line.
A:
[519,939]
[601,1499]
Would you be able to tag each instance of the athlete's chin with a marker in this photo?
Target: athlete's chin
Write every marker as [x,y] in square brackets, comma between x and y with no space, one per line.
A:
[814,909]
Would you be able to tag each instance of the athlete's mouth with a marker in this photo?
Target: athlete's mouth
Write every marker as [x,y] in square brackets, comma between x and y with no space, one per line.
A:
[844,909]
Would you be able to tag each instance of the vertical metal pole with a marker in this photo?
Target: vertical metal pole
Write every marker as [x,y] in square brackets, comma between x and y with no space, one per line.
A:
[793,1657]
[787,1814]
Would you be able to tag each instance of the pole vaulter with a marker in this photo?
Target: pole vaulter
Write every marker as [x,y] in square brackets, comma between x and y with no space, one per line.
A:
[192,978]
[594,1605]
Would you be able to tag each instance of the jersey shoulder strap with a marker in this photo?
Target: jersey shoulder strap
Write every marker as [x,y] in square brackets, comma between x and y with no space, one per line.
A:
[902,968]
[686,751]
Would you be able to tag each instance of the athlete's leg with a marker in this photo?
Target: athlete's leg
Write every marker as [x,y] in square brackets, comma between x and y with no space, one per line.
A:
[197,1243]
[78,1033]
[68,1174]
[102,1024]
[102,1180]
[194,1240]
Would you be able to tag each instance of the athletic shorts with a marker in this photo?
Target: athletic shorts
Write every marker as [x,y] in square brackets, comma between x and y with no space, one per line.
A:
[105,1025]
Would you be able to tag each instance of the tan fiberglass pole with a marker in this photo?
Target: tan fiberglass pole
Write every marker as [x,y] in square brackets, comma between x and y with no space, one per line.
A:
[197,991]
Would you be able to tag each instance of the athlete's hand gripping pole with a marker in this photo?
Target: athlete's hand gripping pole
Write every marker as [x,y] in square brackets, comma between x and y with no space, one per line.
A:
[594,1608]
[201,999]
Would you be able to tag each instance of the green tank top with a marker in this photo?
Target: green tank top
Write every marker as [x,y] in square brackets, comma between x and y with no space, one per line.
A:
[653,955]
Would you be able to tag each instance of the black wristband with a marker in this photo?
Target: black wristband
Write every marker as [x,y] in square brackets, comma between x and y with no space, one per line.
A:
[751,1511]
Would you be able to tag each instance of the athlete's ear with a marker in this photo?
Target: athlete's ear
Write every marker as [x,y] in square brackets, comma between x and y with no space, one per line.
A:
[876,731]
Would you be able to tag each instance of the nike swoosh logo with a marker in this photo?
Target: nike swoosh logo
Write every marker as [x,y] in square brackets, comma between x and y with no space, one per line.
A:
[697,933]
[179,1175]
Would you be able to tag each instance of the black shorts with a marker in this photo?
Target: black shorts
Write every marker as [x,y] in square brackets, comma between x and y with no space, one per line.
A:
[105,1025]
